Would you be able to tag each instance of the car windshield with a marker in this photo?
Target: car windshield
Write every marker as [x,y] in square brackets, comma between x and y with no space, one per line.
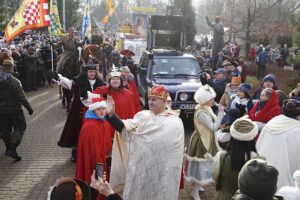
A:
[175,66]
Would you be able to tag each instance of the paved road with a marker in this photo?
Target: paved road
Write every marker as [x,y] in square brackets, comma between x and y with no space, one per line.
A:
[42,160]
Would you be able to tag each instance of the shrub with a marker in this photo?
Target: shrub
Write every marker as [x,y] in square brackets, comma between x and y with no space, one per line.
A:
[285,80]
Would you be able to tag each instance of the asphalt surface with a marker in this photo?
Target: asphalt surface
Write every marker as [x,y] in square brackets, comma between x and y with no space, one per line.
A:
[42,160]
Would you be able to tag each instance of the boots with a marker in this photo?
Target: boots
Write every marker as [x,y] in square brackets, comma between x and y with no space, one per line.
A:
[195,192]
[74,155]
[7,144]
[12,152]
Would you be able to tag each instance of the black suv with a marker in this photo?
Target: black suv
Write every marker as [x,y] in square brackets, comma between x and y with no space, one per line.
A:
[177,71]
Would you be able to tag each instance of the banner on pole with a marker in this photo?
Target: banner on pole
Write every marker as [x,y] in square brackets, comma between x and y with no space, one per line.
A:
[110,9]
[32,14]
[87,23]
[55,25]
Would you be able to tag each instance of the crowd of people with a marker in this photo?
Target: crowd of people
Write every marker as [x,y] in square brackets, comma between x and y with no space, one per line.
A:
[252,139]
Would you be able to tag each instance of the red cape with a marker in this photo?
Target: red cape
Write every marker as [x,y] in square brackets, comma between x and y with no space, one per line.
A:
[124,103]
[93,145]
[271,109]
[136,96]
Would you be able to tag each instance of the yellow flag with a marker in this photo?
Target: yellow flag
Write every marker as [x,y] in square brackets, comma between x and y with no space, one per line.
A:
[110,9]
[32,14]
[55,25]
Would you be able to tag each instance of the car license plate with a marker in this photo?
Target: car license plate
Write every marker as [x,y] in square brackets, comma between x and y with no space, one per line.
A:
[187,106]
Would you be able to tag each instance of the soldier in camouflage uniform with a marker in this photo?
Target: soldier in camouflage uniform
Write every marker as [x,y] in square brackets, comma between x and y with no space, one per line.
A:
[11,116]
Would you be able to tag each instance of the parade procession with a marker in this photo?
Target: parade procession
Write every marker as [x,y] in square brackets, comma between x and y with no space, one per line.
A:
[149,100]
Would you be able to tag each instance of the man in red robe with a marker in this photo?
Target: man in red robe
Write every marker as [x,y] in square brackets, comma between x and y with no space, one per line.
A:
[123,98]
[94,141]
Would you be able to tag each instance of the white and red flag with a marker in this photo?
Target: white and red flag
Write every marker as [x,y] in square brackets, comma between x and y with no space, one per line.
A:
[32,14]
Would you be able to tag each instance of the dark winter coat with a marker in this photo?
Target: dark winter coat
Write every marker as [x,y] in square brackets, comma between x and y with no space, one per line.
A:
[12,96]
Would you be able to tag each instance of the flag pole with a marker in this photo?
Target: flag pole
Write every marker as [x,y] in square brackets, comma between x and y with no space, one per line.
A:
[117,18]
[52,62]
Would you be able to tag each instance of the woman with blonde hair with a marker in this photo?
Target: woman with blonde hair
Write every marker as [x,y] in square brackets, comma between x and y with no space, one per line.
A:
[206,123]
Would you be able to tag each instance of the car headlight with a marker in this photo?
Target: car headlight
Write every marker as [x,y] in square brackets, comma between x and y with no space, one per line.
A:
[183,96]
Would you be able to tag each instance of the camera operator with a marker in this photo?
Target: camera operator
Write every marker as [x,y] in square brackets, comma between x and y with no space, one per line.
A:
[218,83]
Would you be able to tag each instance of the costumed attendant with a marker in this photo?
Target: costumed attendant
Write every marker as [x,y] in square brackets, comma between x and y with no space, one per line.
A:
[122,97]
[227,164]
[87,80]
[280,140]
[206,123]
[94,141]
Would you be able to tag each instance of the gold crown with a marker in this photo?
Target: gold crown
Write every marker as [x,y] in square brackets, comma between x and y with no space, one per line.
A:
[158,91]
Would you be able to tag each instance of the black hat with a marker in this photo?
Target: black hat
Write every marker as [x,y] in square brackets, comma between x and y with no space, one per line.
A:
[90,65]
[70,189]
[258,180]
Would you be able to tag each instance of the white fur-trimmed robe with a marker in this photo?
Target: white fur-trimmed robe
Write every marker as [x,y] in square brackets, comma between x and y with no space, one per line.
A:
[156,146]
[279,143]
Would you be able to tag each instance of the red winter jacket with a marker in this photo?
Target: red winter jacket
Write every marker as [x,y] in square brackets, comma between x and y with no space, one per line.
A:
[271,109]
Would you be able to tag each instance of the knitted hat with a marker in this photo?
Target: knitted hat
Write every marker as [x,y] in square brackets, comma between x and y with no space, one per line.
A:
[245,88]
[270,77]
[158,91]
[204,94]
[258,179]
[70,189]
[97,103]
[235,80]
[243,129]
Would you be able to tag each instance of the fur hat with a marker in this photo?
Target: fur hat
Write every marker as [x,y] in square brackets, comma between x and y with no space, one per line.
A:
[204,94]
[258,180]
[69,189]
[97,103]
[158,91]
[243,129]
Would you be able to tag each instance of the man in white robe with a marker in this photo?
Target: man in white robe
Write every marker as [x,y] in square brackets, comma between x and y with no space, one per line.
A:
[279,143]
[156,146]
